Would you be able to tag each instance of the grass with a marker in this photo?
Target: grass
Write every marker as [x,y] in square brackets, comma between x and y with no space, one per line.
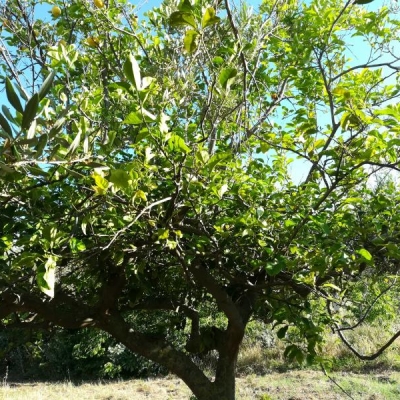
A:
[263,374]
[294,385]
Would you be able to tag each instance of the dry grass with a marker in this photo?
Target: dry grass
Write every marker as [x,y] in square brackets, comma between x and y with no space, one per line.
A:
[295,385]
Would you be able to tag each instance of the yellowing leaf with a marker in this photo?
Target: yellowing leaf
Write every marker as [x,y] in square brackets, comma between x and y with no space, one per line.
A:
[99,191]
[101,184]
[141,195]
[209,18]
[163,234]
[190,41]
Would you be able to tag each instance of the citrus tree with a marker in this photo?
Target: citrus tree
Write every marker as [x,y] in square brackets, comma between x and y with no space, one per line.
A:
[201,161]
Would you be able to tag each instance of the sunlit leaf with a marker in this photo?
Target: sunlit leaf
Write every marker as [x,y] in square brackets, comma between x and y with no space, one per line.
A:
[76,245]
[176,143]
[216,159]
[209,17]
[75,144]
[227,77]
[46,86]
[179,18]
[102,184]
[163,234]
[365,254]
[132,72]
[185,5]
[141,195]
[222,190]
[46,276]
[190,41]
[30,111]
[32,130]
[137,117]
[120,178]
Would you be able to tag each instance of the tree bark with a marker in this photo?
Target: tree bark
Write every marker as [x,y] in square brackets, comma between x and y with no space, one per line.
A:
[160,351]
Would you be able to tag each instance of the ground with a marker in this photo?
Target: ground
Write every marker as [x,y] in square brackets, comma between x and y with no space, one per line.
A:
[294,385]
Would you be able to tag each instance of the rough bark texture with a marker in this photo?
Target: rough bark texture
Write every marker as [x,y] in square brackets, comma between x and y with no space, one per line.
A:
[160,351]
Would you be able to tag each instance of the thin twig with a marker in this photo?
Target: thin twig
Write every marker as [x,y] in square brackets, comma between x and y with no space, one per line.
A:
[335,383]
[125,228]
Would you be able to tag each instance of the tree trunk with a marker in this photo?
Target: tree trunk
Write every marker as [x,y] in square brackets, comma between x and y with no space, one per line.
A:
[223,388]
[161,352]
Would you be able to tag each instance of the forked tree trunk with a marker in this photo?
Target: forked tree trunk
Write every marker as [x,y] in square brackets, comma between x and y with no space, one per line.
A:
[155,349]
[223,388]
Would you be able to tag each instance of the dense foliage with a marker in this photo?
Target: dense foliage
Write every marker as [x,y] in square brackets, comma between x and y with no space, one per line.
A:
[204,161]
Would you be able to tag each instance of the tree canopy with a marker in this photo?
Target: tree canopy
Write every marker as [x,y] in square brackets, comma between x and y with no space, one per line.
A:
[203,160]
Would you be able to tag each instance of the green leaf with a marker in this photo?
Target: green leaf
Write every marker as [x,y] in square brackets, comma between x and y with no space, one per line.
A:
[46,276]
[137,117]
[179,18]
[365,254]
[21,91]
[5,168]
[226,77]
[132,72]
[363,1]
[32,130]
[46,85]
[289,222]
[331,285]
[13,97]
[120,178]
[209,18]
[354,200]
[75,144]
[222,190]
[7,114]
[101,184]
[57,127]
[41,145]
[282,332]
[218,60]
[203,156]
[6,126]
[273,268]
[190,41]
[134,118]
[185,5]
[76,245]
[216,159]
[142,135]
[30,111]
[176,143]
